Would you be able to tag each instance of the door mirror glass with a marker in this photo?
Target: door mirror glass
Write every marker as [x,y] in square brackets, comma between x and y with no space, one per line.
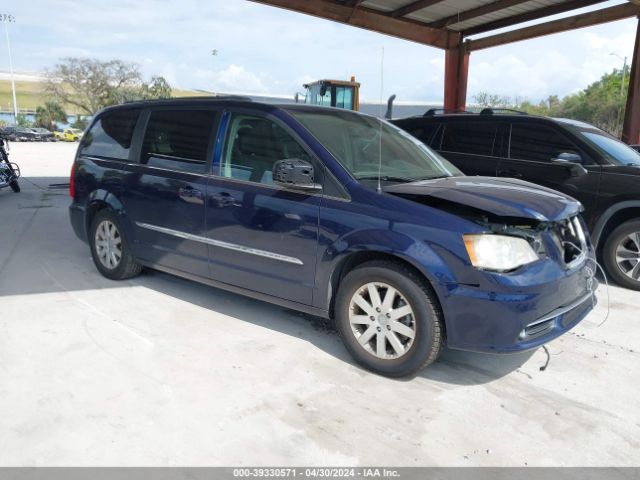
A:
[569,157]
[294,173]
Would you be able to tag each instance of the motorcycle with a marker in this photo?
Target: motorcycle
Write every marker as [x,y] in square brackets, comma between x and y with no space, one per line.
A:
[9,172]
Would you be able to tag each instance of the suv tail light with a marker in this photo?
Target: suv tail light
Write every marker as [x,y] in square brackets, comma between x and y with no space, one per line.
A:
[72,181]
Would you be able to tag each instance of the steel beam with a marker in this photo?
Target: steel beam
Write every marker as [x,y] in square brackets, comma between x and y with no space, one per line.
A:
[605,15]
[368,19]
[456,72]
[532,15]
[631,127]
[475,13]
[414,7]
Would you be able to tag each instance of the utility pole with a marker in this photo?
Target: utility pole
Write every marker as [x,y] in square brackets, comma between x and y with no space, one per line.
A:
[6,18]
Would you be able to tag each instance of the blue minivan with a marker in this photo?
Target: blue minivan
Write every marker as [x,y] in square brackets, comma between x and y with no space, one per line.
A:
[335,214]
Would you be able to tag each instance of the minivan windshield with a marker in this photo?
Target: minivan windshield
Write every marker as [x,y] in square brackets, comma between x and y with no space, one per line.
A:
[367,147]
[613,149]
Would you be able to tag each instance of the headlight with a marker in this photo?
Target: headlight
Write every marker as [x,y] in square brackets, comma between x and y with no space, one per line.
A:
[498,252]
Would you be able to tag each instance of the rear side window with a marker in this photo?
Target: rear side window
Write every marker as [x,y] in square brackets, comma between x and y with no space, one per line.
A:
[423,132]
[178,139]
[110,136]
[477,138]
[538,143]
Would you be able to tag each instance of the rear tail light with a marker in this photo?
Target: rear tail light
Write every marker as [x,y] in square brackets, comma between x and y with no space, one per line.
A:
[72,181]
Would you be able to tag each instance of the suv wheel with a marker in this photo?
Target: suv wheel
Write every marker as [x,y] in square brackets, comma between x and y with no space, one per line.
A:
[621,255]
[389,319]
[110,249]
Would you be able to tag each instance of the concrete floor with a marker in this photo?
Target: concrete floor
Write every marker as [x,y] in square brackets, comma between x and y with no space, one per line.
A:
[162,371]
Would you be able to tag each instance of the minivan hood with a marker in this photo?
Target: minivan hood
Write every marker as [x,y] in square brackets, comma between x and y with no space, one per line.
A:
[500,197]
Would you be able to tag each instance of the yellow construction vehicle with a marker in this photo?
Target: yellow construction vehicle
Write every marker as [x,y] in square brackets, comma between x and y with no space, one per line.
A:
[333,93]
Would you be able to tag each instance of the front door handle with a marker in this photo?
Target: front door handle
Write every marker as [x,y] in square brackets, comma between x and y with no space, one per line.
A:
[224,199]
[191,195]
[509,173]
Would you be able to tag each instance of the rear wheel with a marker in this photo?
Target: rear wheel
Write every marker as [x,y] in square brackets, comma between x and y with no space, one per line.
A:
[389,319]
[14,186]
[621,255]
[110,249]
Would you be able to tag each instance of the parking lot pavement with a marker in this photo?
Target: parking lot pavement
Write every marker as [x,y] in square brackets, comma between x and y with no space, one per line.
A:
[161,371]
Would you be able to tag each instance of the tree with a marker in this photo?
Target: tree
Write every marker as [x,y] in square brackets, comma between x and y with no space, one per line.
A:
[91,84]
[48,114]
[601,103]
[23,121]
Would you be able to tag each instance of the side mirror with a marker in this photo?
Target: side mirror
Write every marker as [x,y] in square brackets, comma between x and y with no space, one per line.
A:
[294,173]
[572,161]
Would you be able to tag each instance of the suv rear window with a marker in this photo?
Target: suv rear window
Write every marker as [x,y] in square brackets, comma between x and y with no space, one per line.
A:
[178,139]
[469,137]
[110,136]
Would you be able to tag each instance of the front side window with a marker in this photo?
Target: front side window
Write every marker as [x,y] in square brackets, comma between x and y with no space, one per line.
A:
[369,147]
[612,148]
[110,136]
[477,138]
[538,143]
[254,144]
[178,139]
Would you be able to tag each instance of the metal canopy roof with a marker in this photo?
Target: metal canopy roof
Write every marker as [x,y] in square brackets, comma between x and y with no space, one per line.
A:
[445,23]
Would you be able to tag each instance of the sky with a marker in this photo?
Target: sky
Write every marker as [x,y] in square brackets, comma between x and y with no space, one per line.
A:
[266,50]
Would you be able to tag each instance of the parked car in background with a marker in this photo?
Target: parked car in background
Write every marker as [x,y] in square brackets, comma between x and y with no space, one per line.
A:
[43,135]
[68,134]
[337,214]
[565,155]
[19,134]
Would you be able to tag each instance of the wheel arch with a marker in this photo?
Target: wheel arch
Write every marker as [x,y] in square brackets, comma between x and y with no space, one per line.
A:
[354,259]
[612,218]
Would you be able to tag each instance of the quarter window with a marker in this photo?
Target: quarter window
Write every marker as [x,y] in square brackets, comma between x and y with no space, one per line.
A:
[110,136]
[178,139]
[538,143]
[470,137]
[253,145]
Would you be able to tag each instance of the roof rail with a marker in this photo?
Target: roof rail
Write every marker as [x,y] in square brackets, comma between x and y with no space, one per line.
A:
[194,99]
[491,111]
[433,111]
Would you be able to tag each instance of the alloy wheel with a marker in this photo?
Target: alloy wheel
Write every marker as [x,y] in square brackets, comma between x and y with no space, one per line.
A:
[382,320]
[108,243]
[628,256]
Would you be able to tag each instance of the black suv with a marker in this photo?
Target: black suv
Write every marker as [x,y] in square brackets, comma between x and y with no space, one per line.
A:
[566,155]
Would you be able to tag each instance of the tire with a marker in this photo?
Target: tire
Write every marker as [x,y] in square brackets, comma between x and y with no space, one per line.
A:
[621,255]
[425,319]
[106,237]
[15,186]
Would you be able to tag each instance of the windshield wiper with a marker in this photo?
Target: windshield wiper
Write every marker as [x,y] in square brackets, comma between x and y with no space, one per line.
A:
[387,178]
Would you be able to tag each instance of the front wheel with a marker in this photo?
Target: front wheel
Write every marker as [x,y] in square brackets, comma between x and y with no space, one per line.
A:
[389,319]
[621,255]
[14,186]
[109,248]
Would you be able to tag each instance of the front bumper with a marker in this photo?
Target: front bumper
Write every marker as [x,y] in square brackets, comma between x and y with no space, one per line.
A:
[513,313]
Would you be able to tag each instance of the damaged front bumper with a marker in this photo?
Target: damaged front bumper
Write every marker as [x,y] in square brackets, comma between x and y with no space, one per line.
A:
[522,310]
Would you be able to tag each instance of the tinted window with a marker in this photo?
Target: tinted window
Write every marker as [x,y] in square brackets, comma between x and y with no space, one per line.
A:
[469,137]
[253,145]
[423,132]
[111,135]
[538,142]
[178,139]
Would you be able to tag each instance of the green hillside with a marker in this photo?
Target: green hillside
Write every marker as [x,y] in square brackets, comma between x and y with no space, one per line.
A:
[30,96]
